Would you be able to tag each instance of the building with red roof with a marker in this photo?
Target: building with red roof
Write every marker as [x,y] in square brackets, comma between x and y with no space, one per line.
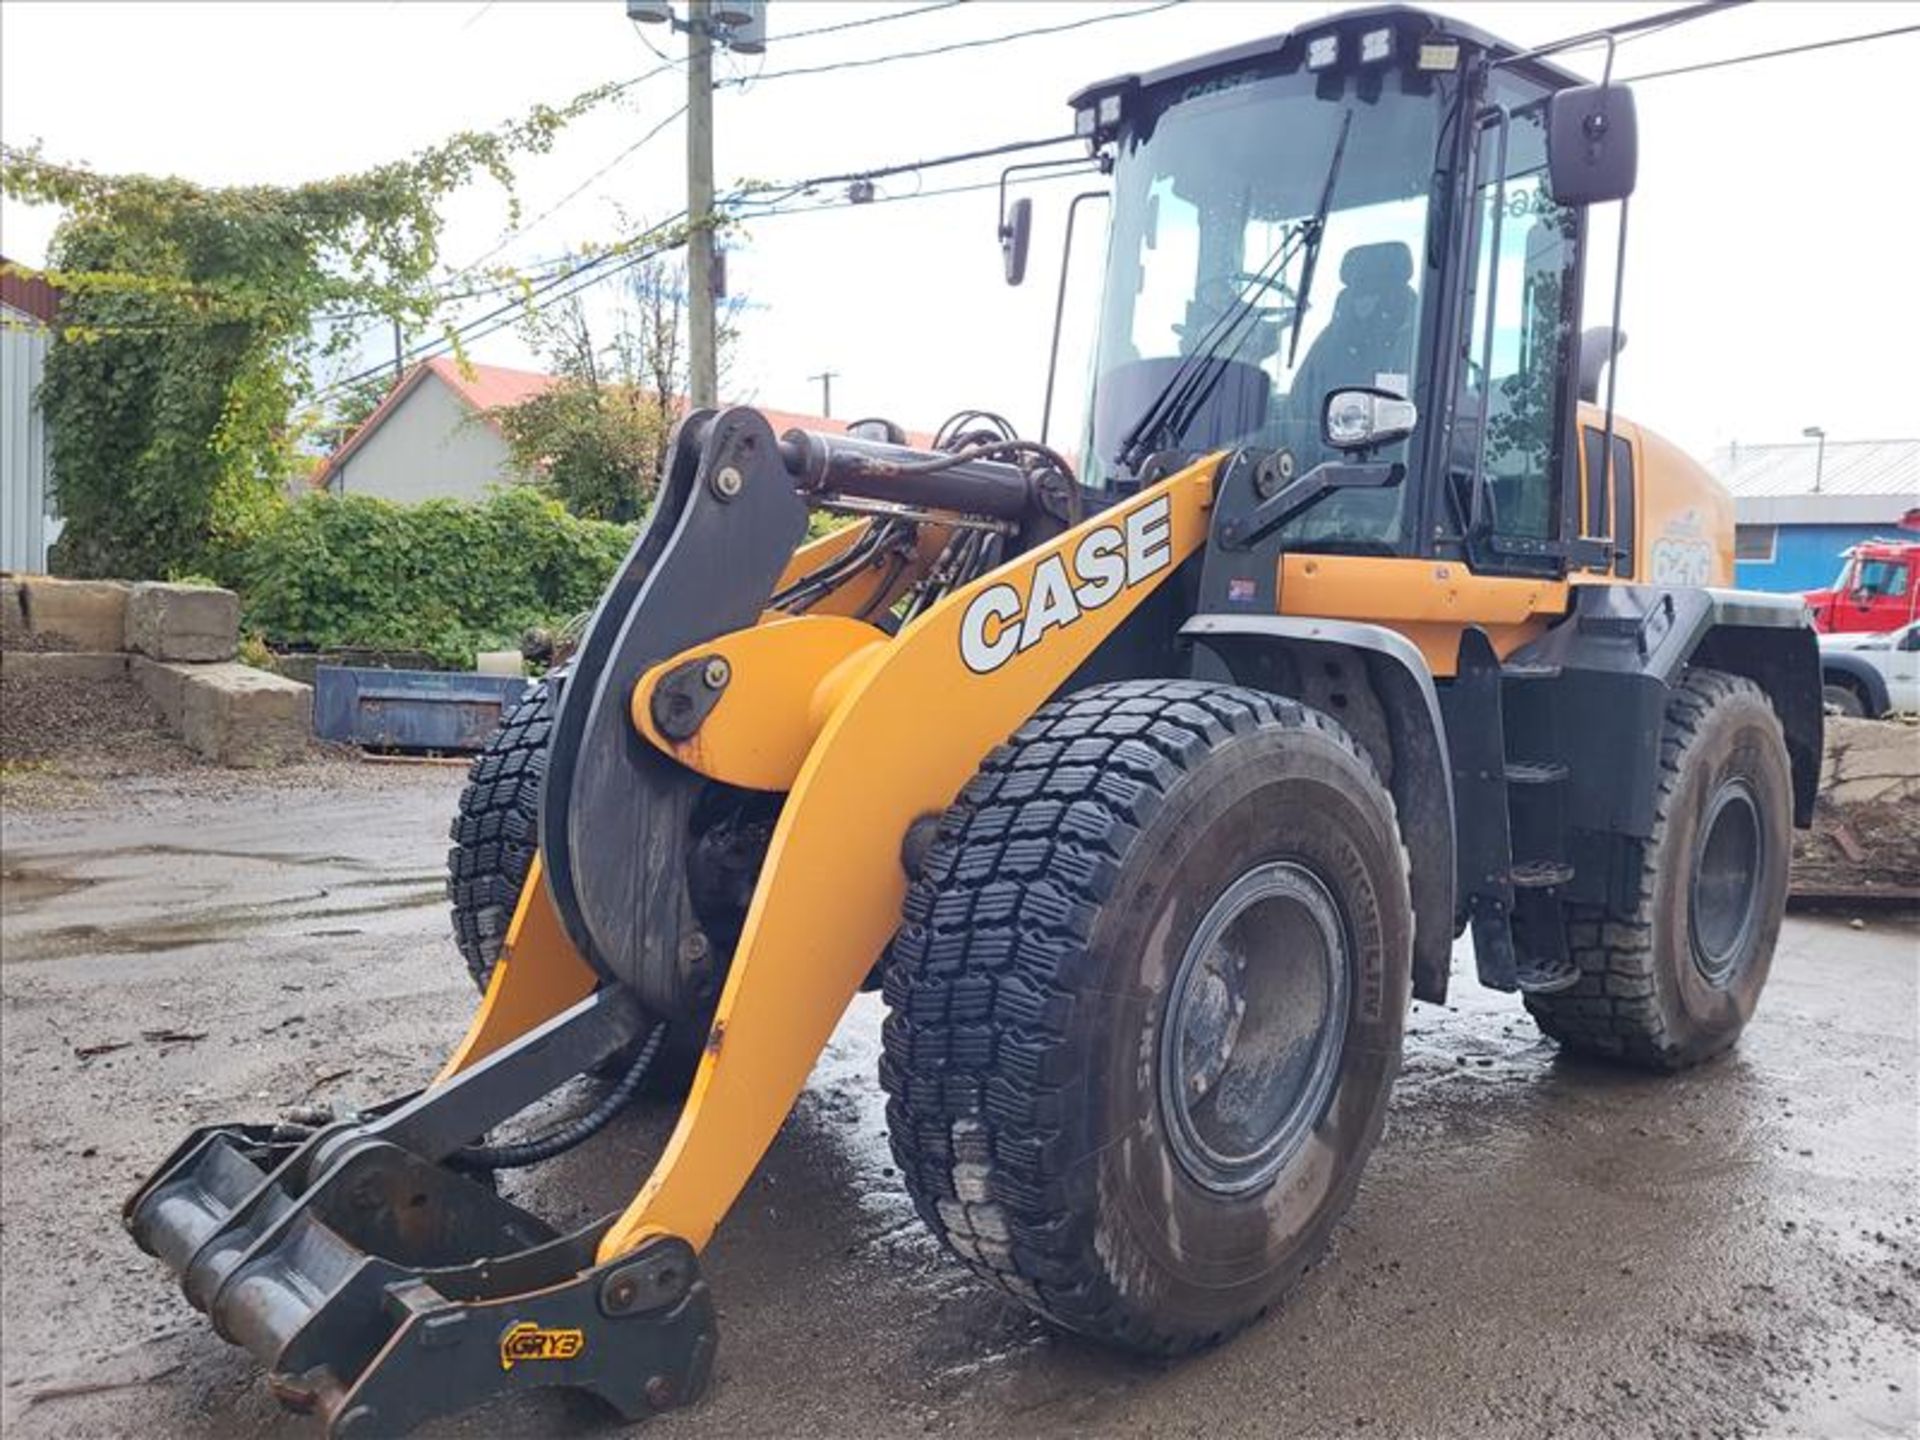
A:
[434,436]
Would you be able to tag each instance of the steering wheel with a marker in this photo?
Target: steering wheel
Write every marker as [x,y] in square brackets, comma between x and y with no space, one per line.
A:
[1221,293]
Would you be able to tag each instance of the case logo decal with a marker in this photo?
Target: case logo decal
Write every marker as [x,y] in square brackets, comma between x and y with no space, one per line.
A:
[525,1340]
[1001,622]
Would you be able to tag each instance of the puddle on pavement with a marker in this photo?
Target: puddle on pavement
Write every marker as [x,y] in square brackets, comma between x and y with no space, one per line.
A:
[209,927]
[24,886]
[50,875]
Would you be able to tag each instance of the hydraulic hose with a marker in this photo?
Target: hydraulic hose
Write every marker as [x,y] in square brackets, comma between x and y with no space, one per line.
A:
[522,1153]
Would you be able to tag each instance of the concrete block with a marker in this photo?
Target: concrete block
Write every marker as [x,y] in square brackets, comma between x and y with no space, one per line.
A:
[183,622]
[13,612]
[166,686]
[64,664]
[500,662]
[86,614]
[247,718]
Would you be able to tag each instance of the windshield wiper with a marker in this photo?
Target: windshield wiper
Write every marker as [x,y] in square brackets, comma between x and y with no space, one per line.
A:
[1193,381]
[1318,233]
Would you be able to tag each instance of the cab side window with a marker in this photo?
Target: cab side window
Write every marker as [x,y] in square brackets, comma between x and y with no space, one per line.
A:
[1882,578]
[1514,382]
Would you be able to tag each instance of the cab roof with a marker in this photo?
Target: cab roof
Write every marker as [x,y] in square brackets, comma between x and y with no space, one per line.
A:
[1431,24]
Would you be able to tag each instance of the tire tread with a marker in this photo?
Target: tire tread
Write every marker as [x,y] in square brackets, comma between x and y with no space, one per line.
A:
[495,830]
[984,971]
[1613,1011]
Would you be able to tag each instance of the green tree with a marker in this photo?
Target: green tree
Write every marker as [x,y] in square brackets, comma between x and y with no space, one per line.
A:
[187,330]
[597,440]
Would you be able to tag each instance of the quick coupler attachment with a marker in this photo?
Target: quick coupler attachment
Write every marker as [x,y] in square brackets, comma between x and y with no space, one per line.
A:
[382,1286]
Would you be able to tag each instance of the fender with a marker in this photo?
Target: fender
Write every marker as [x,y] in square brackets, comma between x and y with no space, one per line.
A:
[1620,650]
[1266,651]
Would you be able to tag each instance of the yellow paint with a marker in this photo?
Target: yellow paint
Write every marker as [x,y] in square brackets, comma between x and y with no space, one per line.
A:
[1681,506]
[538,975]
[1428,601]
[1683,517]
[766,720]
[830,891]
[525,1340]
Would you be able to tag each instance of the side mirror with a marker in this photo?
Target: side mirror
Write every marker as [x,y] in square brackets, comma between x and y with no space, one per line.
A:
[1016,229]
[1593,146]
[1360,418]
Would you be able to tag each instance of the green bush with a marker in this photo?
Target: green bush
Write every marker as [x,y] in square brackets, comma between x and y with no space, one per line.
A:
[445,576]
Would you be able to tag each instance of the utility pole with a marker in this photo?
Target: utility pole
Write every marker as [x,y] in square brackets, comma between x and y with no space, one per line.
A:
[826,379]
[703,370]
[399,353]
[740,25]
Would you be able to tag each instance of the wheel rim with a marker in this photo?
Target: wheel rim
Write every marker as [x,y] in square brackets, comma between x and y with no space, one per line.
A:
[1251,1039]
[1727,862]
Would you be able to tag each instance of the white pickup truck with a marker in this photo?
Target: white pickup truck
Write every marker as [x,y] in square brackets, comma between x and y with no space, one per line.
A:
[1872,675]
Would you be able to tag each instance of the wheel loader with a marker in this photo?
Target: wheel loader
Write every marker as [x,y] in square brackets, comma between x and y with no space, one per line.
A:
[1150,787]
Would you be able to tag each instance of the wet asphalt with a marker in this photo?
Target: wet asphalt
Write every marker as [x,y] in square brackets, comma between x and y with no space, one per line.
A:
[1540,1246]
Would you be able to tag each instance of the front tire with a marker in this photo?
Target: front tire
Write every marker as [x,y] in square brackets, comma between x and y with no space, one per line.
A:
[1146,1006]
[1671,978]
[495,834]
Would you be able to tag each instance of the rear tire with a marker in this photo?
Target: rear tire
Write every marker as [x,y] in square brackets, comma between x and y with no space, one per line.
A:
[1671,979]
[1096,1101]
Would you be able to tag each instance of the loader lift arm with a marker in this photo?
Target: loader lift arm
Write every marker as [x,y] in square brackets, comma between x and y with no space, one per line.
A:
[379,1281]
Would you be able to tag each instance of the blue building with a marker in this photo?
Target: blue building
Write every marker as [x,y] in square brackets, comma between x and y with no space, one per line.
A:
[1799,507]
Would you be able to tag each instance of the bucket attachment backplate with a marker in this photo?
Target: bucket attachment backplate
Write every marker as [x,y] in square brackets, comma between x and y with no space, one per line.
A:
[382,1285]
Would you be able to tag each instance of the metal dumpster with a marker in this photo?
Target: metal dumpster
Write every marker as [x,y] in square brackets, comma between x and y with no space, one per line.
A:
[410,710]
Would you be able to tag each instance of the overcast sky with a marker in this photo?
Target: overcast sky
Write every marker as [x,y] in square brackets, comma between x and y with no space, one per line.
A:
[1771,278]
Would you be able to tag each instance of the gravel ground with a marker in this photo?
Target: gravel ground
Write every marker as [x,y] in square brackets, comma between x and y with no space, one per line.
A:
[67,743]
[1865,837]
[82,730]
[1540,1246]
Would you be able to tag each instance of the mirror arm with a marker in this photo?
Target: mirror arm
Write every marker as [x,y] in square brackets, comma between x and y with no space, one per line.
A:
[1306,492]
[1060,306]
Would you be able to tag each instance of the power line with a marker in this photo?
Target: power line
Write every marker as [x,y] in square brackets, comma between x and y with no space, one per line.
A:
[869,20]
[957,45]
[849,204]
[1625,30]
[1773,54]
[471,329]
[603,267]
[573,194]
[882,172]
[643,77]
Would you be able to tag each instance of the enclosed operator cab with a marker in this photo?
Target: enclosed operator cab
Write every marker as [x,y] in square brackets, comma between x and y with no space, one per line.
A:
[1354,258]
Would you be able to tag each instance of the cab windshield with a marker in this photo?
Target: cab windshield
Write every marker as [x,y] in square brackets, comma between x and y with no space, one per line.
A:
[1212,185]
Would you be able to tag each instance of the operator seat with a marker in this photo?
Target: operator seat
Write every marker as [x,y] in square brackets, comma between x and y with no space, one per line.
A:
[1369,341]
[1371,334]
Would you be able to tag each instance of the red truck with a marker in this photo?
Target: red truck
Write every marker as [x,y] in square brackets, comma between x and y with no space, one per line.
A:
[1878,589]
